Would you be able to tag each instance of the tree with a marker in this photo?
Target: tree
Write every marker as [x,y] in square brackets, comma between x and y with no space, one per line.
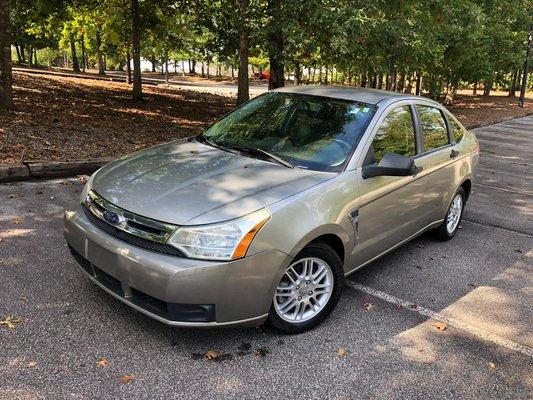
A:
[6,100]
[136,43]
[243,93]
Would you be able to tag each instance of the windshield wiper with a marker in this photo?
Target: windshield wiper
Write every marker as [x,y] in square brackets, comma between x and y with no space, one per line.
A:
[265,154]
[203,139]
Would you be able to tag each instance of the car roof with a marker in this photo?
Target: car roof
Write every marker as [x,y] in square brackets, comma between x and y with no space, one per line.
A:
[365,95]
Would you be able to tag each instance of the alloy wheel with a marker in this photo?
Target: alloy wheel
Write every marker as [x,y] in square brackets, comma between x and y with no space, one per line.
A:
[304,290]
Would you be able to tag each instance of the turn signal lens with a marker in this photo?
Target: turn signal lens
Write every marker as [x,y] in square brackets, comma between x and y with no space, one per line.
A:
[246,241]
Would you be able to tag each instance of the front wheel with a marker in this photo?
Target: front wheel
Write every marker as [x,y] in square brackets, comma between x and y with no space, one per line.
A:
[308,290]
[449,226]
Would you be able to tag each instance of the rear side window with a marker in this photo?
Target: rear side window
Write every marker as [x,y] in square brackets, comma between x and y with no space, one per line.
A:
[433,127]
[396,134]
[457,130]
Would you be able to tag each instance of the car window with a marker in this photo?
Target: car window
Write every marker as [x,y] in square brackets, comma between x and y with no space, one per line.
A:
[311,132]
[457,130]
[396,134]
[433,127]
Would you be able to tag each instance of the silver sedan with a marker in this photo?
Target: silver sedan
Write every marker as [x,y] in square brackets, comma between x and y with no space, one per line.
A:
[262,216]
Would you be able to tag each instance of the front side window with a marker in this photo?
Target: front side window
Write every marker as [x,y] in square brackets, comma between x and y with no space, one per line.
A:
[311,132]
[396,134]
[433,127]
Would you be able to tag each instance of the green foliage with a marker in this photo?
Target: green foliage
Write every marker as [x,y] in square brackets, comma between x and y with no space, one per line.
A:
[447,43]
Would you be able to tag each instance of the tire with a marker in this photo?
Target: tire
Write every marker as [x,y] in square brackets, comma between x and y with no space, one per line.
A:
[443,232]
[312,301]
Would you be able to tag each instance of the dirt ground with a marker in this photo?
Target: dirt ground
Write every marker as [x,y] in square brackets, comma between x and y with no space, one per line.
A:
[64,118]
[59,118]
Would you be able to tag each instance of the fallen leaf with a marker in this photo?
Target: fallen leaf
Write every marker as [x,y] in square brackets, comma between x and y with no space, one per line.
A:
[32,363]
[440,326]
[398,307]
[211,354]
[368,306]
[127,378]
[11,321]
[103,362]
[427,362]
[16,221]
[517,250]
[342,352]
[419,266]
[260,352]
[11,196]
[420,245]
[492,365]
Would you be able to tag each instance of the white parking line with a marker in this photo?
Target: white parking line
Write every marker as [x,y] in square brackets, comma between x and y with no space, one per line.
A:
[509,344]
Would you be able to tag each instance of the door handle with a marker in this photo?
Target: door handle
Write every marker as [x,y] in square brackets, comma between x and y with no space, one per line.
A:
[454,153]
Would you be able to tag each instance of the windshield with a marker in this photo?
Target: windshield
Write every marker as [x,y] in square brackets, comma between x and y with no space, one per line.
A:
[310,132]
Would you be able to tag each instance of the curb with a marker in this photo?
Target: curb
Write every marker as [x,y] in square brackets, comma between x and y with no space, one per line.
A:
[497,121]
[50,169]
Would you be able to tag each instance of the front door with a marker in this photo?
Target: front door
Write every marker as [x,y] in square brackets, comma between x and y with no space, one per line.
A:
[391,208]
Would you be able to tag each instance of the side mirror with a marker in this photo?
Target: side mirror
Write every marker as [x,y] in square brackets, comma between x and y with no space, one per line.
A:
[391,165]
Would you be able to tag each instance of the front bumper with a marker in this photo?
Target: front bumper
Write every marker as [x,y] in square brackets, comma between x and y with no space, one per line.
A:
[175,290]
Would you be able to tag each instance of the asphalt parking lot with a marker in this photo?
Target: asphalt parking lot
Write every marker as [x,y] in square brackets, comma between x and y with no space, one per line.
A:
[479,284]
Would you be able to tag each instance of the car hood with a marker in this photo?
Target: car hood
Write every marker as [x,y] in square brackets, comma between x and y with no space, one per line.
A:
[186,182]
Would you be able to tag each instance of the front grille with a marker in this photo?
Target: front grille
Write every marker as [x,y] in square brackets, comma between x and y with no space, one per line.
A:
[131,239]
[170,311]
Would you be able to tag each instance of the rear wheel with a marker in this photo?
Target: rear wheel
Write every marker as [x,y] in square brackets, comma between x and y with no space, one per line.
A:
[308,290]
[449,226]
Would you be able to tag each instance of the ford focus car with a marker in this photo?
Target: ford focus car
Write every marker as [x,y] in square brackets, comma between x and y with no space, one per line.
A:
[262,216]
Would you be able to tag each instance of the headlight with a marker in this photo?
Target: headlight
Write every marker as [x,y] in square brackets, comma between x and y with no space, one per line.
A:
[224,241]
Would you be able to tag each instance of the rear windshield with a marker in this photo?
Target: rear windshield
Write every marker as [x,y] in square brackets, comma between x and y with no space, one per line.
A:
[311,132]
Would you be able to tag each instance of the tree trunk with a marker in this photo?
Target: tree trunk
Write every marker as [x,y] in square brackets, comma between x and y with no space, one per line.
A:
[83,53]
[380,81]
[17,48]
[243,89]
[275,39]
[165,66]
[30,60]
[35,62]
[364,79]
[512,84]
[182,68]
[153,61]
[6,79]
[101,69]
[418,83]
[128,67]
[474,90]
[207,65]
[75,63]
[22,53]
[203,70]
[190,66]
[487,88]
[297,74]
[137,93]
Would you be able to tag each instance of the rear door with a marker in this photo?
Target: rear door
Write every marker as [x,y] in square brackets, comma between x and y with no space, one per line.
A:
[439,153]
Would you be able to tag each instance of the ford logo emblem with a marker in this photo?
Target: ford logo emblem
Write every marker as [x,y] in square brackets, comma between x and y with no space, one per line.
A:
[113,218]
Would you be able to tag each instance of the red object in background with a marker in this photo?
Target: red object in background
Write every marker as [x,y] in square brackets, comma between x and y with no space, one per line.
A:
[262,75]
